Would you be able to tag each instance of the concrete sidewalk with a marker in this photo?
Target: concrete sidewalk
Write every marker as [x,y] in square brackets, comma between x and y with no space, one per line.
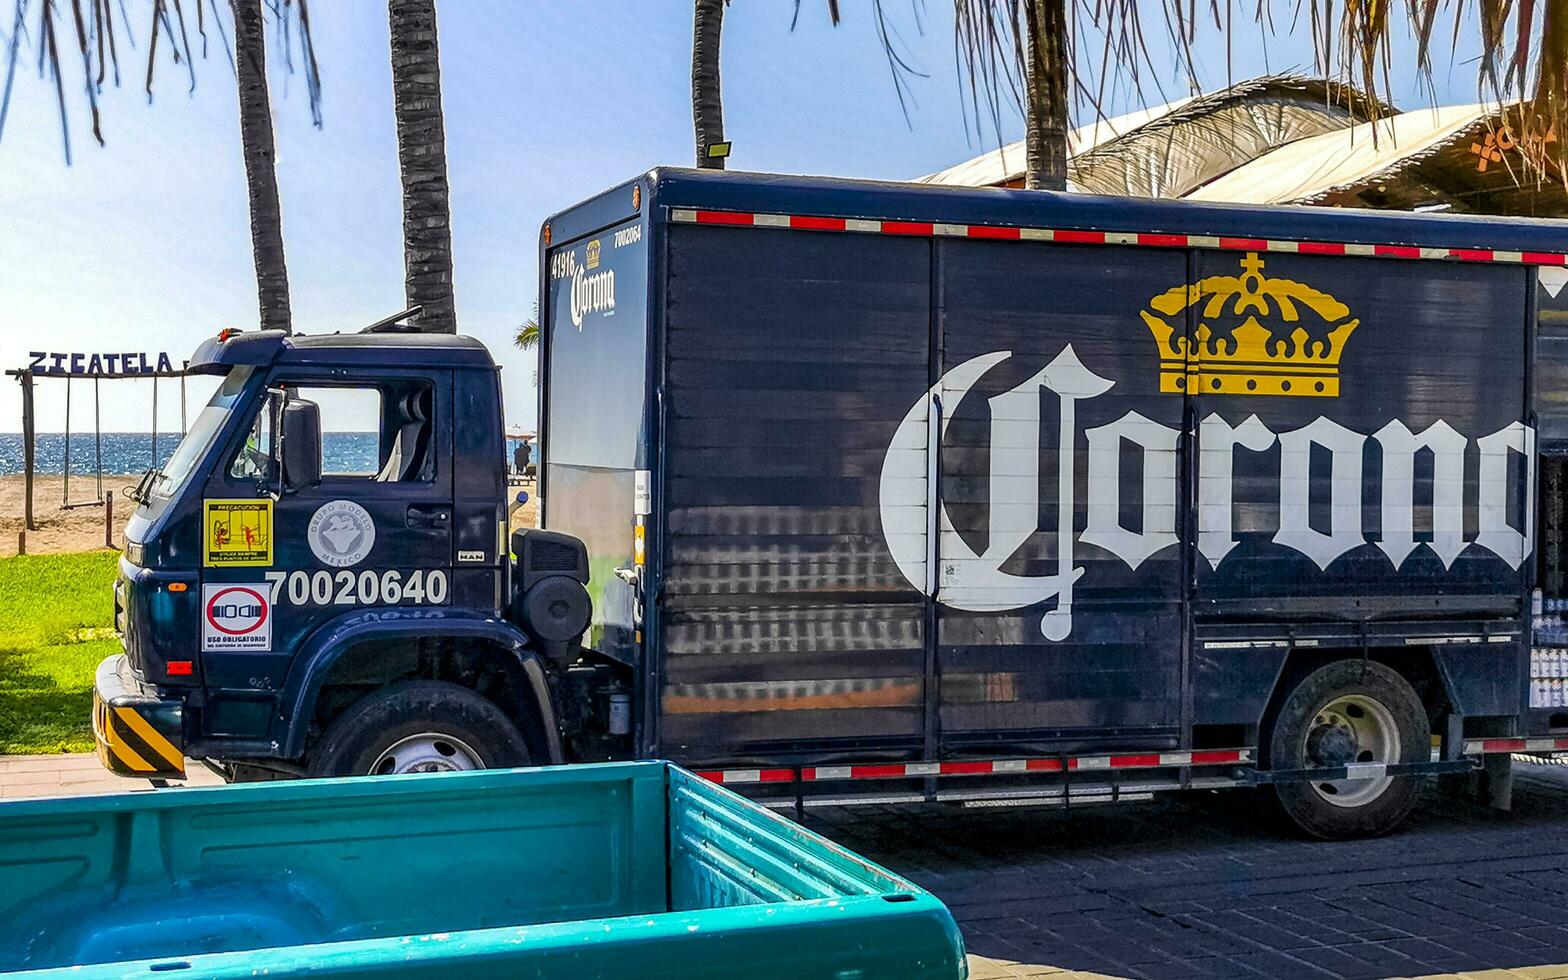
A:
[32,776]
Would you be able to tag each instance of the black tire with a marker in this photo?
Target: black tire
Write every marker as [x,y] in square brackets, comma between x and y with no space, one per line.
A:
[1302,719]
[455,719]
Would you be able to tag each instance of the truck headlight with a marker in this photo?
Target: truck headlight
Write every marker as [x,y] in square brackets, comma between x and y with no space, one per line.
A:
[135,552]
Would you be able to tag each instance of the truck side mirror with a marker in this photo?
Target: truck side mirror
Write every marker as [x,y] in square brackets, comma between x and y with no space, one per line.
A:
[300,444]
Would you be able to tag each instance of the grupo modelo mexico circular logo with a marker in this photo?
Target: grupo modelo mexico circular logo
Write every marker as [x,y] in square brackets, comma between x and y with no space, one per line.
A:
[341,533]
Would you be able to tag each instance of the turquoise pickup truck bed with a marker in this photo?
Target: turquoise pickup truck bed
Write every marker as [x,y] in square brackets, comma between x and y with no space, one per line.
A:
[626,870]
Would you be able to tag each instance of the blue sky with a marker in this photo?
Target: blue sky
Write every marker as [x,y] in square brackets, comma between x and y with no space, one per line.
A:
[144,244]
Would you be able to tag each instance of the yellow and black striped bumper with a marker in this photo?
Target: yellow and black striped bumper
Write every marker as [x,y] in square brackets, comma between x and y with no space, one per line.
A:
[137,733]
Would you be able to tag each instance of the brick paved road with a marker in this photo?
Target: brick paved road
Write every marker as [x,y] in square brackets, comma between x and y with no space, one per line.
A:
[1197,885]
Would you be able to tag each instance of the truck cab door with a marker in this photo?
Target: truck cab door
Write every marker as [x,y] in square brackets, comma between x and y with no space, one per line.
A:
[375,530]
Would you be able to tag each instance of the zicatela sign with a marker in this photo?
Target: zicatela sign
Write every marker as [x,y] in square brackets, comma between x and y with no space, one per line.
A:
[114,362]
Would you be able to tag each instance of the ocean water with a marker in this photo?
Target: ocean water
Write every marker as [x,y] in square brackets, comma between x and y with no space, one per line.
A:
[132,452]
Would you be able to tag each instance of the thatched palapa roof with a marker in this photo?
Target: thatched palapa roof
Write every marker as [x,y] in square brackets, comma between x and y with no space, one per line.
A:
[1294,140]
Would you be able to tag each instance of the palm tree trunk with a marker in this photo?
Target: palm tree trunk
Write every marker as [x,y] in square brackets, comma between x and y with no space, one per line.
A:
[261,173]
[1045,80]
[707,103]
[421,154]
[1551,94]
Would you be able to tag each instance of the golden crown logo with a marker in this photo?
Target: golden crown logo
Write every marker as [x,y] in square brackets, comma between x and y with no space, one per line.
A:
[1248,358]
[593,254]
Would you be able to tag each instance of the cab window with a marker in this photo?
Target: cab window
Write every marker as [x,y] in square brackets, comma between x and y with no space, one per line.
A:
[375,433]
[350,429]
[257,455]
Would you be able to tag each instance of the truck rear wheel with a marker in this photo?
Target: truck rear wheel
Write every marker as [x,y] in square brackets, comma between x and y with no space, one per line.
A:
[1347,712]
[419,726]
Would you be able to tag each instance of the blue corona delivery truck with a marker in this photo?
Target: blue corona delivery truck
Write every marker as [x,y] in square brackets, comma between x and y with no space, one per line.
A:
[863,490]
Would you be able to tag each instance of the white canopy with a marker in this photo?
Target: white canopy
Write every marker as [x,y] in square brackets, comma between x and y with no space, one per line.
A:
[1309,168]
[1168,150]
[1006,163]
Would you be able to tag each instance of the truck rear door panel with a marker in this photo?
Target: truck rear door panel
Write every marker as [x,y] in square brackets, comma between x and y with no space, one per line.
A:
[1085,642]
[785,622]
[1367,502]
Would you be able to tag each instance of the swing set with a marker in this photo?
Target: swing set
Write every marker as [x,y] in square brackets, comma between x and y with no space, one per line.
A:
[39,371]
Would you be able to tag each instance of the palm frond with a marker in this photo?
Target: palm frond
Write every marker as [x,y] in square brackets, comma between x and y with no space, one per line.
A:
[527,335]
[97,36]
[1522,70]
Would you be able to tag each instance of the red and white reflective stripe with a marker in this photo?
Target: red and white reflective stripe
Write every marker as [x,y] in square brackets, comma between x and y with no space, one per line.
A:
[1491,746]
[978,767]
[928,229]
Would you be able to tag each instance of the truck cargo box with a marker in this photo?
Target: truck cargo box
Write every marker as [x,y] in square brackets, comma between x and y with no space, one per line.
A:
[898,482]
[620,870]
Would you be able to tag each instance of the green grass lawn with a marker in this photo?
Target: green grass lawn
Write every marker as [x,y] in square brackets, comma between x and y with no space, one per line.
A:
[55,615]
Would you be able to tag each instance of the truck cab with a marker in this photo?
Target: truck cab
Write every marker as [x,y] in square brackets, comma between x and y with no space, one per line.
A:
[301,596]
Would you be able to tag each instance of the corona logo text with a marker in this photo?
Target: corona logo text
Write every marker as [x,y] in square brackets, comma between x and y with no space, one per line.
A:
[931,554]
[592,294]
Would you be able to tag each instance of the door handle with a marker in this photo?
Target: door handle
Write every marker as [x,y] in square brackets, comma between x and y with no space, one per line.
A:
[435,517]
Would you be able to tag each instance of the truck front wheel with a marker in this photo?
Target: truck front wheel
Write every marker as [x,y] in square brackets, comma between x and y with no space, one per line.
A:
[1349,711]
[418,726]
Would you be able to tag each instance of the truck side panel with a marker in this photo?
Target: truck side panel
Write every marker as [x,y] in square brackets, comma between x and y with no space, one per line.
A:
[478,489]
[948,496]
[596,353]
[1061,592]
[786,621]
[1390,494]
[1547,693]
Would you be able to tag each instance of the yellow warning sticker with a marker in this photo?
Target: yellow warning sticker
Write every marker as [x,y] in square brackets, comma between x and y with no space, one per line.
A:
[237,532]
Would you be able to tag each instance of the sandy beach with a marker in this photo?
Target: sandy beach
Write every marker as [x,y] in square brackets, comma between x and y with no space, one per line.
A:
[61,530]
[81,528]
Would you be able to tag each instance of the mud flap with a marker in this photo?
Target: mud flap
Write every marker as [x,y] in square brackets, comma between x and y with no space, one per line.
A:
[1496,782]
[1491,786]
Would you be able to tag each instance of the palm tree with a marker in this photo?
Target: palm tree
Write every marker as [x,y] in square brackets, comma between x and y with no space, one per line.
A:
[96,31]
[707,102]
[421,154]
[1045,84]
[1554,54]
[261,173]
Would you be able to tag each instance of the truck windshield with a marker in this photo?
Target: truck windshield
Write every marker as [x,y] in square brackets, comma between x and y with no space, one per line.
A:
[202,433]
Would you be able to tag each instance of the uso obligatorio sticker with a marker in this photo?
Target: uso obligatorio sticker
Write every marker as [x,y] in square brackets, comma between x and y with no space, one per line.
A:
[236,532]
[236,616]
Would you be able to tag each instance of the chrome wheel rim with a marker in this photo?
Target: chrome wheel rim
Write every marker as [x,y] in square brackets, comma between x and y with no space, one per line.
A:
[426,752]
[1349,730]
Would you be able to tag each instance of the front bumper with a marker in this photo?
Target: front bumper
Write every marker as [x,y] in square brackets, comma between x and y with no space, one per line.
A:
[137,733]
